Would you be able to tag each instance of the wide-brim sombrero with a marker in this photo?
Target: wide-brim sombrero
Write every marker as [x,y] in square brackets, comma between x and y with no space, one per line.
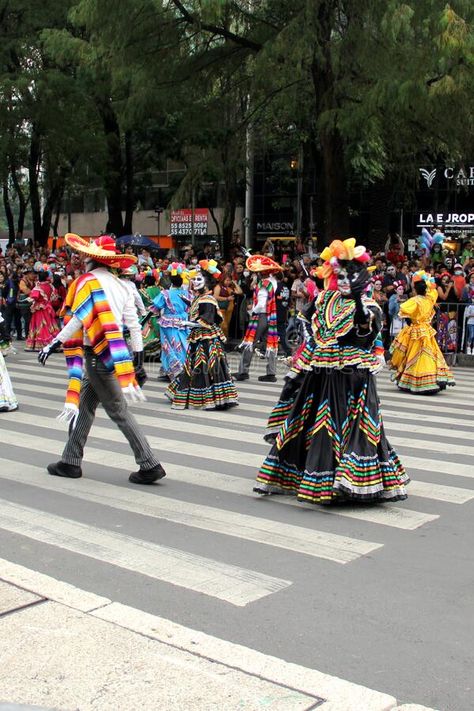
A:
[102,250]
[260,263]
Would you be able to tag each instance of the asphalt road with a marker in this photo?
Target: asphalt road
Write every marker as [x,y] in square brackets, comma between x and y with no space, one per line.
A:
[378,595]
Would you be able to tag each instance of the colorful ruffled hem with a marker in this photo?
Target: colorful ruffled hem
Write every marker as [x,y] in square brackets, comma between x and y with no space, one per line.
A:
[355,478]
[219,395]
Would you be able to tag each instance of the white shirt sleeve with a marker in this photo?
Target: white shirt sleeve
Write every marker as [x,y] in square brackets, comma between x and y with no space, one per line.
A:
[140,306]
[130,319]
[69,330]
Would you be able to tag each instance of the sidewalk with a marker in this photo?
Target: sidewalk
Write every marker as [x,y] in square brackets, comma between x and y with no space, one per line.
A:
[67,649]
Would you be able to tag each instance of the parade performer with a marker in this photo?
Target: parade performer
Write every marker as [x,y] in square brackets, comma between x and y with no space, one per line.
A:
[263,320]
[128,277]
[332,444]
[415,355]
[302,359]
[43,324]
[205,382]
[97,308]
[149,289]
[173,305]
[293,379]
[468,333]
[8,401]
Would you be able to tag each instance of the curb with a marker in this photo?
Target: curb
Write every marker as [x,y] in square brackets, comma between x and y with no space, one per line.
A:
[322,691]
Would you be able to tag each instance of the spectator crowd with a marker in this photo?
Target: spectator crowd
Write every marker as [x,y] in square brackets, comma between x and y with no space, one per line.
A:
[34,282]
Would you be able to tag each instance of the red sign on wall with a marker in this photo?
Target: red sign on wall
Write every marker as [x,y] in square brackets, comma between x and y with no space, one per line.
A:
[182,222]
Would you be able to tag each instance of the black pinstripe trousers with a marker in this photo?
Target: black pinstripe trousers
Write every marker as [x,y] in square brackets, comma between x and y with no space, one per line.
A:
[101,386]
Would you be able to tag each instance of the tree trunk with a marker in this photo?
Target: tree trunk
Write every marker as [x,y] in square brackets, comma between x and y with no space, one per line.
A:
[335,196]
[380,206]
[58,212]
[114,168]
[34,158]
[22,201]
[56,185]
[8,214]
[129,185]
[332,179]
[229,160]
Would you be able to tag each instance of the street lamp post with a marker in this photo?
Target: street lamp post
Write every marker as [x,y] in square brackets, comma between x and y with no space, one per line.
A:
[158,211]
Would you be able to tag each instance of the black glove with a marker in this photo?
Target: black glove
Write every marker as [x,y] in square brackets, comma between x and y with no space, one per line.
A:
[359,282]
[362,313]
[45,352]
[140,373]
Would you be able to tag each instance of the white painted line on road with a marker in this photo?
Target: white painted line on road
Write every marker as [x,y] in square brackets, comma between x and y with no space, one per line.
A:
[174,422]
[229,454]
[319,544]
[463,376]
[439,492]
[234,419]
[157,390]
[386,515]
[230,583]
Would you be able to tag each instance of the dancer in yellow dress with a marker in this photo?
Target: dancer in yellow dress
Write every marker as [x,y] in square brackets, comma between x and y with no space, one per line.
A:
[415,355]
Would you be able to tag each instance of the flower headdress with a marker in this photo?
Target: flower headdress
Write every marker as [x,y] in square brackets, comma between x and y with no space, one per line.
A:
[210,266]
[424,276]
[337,252]
[176,268]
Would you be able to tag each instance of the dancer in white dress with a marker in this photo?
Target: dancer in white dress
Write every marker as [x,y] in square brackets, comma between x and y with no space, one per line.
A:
[8,401]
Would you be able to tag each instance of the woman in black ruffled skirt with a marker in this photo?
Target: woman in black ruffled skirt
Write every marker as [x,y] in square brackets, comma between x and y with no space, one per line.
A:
[329,439]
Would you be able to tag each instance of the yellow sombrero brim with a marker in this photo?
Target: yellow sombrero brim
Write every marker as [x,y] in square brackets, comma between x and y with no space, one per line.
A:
[90,249]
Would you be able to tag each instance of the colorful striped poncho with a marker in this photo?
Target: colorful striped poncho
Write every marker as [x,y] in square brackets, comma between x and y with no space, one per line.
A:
[272,333]
[86,300]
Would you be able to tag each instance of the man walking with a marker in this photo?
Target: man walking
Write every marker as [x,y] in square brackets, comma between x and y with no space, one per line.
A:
[263,320]
[96,309]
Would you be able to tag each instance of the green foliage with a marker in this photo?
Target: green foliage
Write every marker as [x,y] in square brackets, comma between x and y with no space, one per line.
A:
[367,87]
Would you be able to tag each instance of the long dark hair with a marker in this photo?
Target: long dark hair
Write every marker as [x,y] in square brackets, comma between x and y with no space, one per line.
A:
[420,287]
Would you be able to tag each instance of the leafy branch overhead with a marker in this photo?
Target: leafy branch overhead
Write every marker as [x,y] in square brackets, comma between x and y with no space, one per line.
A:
[96,100]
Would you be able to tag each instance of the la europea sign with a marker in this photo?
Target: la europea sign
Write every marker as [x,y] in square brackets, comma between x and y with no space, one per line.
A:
[447,219]
[462,177]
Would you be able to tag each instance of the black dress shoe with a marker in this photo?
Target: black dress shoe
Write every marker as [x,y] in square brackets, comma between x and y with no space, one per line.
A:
[241,376]
[267,379]
[147,476]
[63,469]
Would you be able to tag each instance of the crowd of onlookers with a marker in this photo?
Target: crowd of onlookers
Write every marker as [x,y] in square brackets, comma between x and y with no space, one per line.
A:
[34,281]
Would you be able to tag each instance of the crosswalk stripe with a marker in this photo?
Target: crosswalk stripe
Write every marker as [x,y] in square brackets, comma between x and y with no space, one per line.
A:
[319,544]
[241,485]
[394,419]
[265,390]
[235,585]
[246,396]
[387,515]
[450,494]
[228,455]
[174,422]
[463,376]
[439,466]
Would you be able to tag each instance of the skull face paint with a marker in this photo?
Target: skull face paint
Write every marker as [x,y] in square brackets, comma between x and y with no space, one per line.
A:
[343,282]
[198,282]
